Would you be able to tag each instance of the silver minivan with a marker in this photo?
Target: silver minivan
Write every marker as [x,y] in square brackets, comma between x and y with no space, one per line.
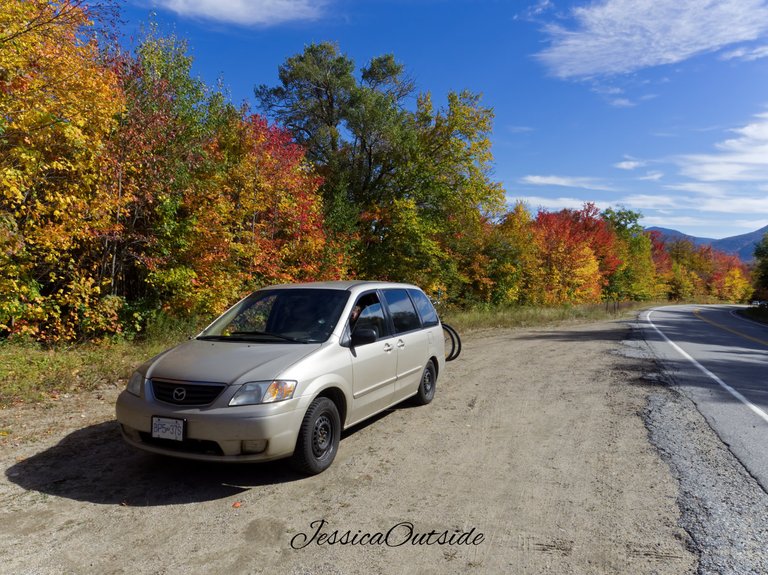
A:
[283,371]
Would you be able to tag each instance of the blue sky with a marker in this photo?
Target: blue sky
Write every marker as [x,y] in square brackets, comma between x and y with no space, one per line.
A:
[659,106]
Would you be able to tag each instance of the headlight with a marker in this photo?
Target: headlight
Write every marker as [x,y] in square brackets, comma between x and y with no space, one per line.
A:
[263,392]
[134,384]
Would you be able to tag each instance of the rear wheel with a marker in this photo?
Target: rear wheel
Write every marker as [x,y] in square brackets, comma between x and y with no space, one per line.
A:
[427,386]
[318,439]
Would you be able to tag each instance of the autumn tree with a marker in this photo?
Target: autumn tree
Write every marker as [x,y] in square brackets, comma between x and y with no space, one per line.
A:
[58,104]
[761,268]
[211,200]
[156,158]
[569,271]
[257,219]
[703,272]
[635,277]
[410,189]
[128,186]
[578,255]
[513,257]
[729,280]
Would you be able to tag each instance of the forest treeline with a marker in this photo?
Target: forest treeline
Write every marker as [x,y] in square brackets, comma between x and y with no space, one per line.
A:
[129,187]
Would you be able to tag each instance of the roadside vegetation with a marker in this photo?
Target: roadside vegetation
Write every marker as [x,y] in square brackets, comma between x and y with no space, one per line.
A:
[757,313]
[34,373]
[133,195]
[31,372]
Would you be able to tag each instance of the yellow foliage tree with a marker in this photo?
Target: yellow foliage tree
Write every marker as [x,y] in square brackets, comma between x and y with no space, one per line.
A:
[57,106]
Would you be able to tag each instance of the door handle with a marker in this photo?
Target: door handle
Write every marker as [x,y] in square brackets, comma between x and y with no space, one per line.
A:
[387,347]
[400,344]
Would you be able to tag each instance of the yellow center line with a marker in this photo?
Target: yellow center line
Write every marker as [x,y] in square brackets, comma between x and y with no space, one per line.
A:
[697,313]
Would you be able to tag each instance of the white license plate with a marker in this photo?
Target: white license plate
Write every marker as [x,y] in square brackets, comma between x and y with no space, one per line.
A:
[168,428]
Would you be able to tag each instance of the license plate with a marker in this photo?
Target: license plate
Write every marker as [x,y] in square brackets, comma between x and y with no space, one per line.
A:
[168,428]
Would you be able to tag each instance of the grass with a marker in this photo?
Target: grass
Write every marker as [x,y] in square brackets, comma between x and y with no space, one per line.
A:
[30,373]
[757,313]
[515,317]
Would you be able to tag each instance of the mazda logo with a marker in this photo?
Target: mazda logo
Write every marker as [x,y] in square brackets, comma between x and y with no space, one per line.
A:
[179,394]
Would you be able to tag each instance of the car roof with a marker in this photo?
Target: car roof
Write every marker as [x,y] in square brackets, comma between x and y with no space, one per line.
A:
[349,285]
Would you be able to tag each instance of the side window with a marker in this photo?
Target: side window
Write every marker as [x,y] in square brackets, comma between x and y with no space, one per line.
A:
[401,309]
[424,307]
[368,313]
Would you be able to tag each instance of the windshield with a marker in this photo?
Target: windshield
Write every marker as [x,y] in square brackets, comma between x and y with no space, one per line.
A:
[303,315]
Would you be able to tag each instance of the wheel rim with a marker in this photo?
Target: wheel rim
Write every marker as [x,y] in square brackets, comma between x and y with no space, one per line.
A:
[322,436]
[427,381]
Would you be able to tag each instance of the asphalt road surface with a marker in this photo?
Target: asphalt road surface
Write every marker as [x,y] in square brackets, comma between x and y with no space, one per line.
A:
[719,360]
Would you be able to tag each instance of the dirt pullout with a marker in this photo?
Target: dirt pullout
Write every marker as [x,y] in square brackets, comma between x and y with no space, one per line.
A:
[533,458]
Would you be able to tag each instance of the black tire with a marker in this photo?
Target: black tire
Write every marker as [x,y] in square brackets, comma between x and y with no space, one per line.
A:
[426,392]
[318,439]
[457,342]
[450,343]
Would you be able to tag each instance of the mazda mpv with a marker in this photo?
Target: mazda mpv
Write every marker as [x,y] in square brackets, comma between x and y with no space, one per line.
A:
[283,371]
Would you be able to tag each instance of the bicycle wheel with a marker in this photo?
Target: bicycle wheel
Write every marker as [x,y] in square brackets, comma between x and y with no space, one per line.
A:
[450,343]
[456,349]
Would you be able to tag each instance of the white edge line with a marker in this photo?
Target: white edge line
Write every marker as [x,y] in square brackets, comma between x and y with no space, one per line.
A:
[759,412]
[733,313]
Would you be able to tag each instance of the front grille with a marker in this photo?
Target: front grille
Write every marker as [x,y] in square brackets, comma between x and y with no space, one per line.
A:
[201,446]
[186,393]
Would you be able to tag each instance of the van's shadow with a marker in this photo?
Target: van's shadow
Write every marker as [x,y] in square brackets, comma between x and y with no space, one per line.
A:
[94,465]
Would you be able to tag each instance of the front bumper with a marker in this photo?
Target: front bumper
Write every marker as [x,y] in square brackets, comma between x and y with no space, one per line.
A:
[214,433]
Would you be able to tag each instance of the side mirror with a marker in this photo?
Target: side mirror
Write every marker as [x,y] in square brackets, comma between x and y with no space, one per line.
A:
[364,335]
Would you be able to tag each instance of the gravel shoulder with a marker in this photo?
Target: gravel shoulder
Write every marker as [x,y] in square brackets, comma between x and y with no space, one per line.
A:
[535,440]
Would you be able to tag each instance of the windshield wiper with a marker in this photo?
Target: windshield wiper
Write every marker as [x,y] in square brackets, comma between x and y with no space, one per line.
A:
[269,334]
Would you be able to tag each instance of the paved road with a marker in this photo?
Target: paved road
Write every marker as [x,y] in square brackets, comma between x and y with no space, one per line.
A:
[720,361]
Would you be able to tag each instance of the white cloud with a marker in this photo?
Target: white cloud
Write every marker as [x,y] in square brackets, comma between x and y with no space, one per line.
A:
[536,10]
[622,103]
[652,176]
[620,36]
[629,164]
[734,205]
[567,182]
[650,202]
[246,12]
[608,90]
[746,54]
[536,202]
[751,225]
[703,188]
[519,129]
[675,221]
[740,159]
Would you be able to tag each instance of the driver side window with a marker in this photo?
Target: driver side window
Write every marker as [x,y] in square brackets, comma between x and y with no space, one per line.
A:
[368,313]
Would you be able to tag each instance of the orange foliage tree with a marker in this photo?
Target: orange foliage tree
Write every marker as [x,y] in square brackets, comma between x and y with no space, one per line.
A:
[577,256]
[257,220]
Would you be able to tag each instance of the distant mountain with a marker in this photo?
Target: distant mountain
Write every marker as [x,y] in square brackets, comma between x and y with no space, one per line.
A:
[742,245]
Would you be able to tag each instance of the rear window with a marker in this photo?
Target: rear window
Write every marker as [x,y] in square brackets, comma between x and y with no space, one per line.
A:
[424,307]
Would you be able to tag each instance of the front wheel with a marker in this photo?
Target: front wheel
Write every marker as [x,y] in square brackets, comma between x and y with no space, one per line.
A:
[318,439]
[427,386]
